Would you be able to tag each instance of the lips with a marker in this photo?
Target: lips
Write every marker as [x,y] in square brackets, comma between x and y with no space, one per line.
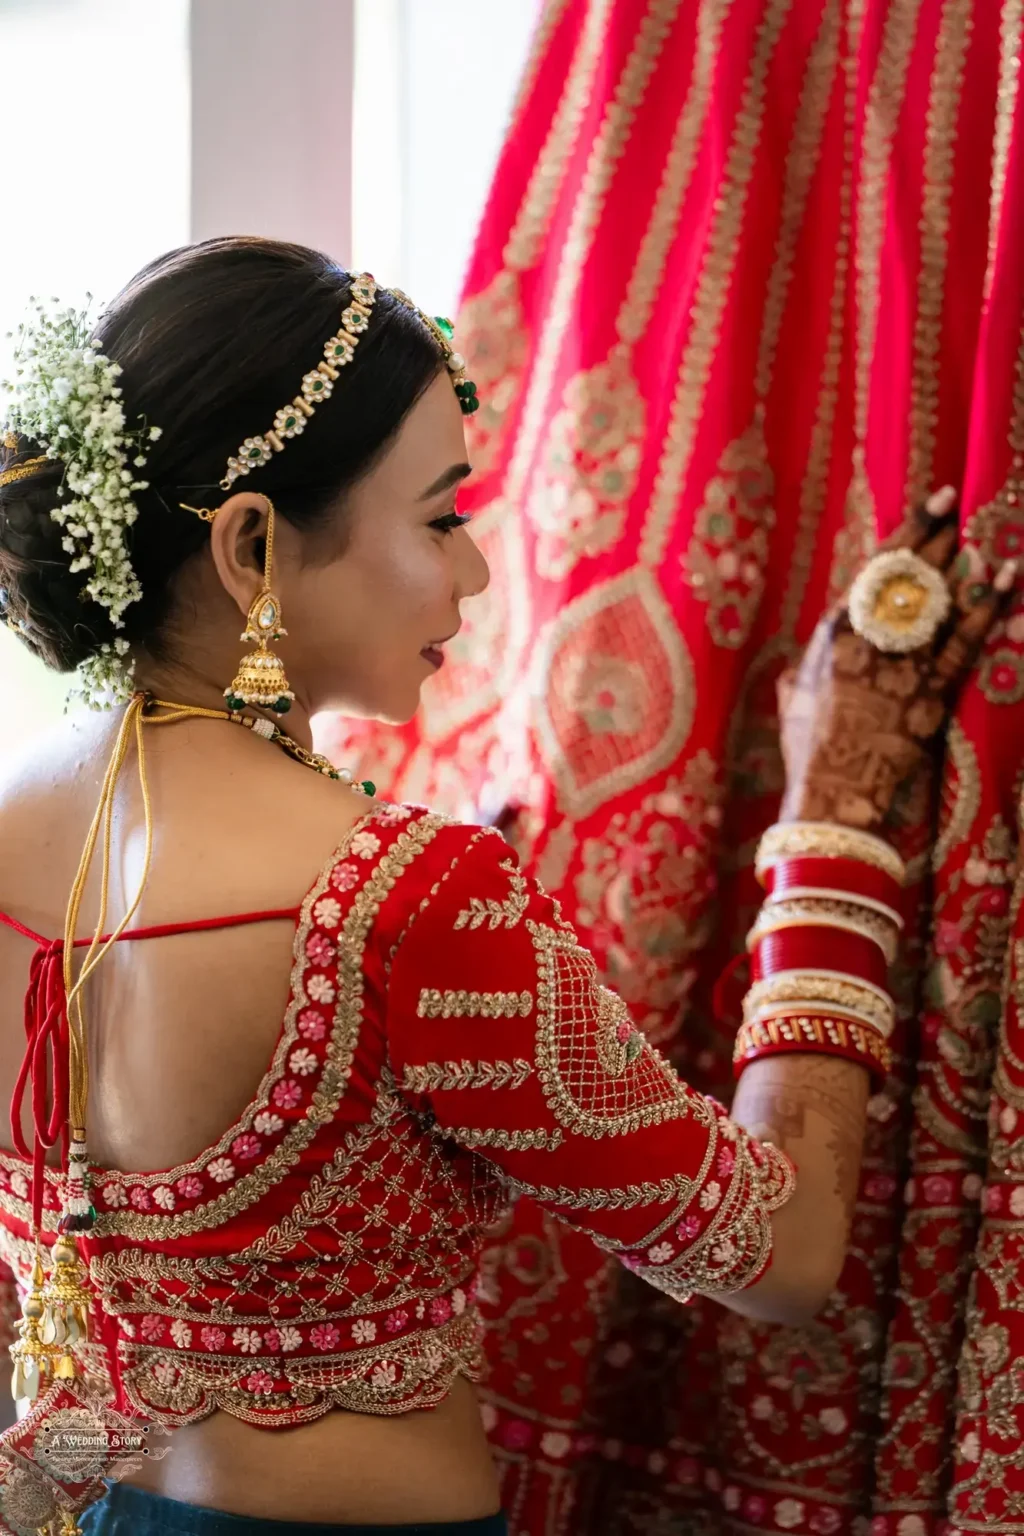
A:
[434,653]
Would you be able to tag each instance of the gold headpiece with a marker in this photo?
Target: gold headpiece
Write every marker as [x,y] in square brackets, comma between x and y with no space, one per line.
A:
[21,471]
[291,419]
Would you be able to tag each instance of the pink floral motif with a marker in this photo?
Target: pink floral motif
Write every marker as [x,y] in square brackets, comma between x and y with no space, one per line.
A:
[190,1186]
[440,1310]
[282,1340]
[163,1196]
[246,1146]
[992,1200]
[755,1508]
[344,877]
[825,1522]
[364,845]
[325,1336]
[213,1339]
[396,1321]
[392,815]
[311,1025]
[364,1330]
[660,1253]
[726,1162]
[152,1328]
[320,989]
[140,1198]
[113,1196]
[516,1434]
[938,1189]
[267,1123]
[260,1382]
[302,1061]
[689,1228]
[319,949]
[246,1339]
[880,1186]
[221,1170]
[287,1093]
[710,1196]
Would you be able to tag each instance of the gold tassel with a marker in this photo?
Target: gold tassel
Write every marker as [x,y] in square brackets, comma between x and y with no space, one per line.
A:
[31,1355]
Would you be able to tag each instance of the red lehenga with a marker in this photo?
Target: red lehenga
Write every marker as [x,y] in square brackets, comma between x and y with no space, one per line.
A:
[750,280]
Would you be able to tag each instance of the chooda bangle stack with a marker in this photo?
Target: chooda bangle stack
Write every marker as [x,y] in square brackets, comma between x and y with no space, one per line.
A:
[821,947]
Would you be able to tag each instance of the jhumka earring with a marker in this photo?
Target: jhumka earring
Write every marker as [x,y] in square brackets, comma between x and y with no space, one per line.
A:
[260,678]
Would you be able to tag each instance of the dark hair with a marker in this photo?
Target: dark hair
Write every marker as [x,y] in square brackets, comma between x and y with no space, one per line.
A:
[213,339]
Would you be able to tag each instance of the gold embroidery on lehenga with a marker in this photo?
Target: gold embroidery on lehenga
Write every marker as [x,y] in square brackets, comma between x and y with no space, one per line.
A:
[602,163]
[1011,33]
[941,121]
[713,290]
[885,101]
[728,552]
[473,1005]
[431,1076]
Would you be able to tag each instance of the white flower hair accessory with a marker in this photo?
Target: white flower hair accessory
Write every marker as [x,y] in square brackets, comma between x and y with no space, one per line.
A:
[65,397]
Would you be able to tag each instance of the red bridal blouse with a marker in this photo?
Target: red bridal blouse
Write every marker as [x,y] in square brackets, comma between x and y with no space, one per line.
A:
[446,1045]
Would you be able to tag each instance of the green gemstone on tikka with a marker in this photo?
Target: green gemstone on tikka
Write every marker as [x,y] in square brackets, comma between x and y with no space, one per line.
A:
[469,405]
[369,787]
[445,327]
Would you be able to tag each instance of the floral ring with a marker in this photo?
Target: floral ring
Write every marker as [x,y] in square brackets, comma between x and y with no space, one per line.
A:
[898,601]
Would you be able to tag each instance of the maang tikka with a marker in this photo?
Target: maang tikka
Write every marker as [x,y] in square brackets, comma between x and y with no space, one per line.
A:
[260,679]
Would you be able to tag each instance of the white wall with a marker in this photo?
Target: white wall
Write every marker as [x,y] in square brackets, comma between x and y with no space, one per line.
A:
[435,82]
[94,130]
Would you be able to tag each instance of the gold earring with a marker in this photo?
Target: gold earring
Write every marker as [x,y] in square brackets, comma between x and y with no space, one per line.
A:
[260,678]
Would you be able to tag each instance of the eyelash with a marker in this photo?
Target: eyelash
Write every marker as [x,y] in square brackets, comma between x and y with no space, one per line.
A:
[450,522]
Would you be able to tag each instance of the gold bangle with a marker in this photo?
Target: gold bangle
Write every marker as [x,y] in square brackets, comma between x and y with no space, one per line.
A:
[835,989]
[815,1030]
[828,893]
[776,916]
[826,840]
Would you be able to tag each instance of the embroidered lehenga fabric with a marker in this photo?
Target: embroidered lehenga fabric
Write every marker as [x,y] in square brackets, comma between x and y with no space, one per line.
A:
[446,1043]
[748,283]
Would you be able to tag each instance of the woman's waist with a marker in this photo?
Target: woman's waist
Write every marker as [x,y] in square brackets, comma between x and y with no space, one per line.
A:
[346,1468]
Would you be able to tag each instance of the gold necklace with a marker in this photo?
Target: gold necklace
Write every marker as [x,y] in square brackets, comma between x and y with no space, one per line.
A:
[259,727]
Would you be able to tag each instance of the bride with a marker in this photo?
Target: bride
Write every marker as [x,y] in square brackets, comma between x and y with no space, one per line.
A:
[279,1051]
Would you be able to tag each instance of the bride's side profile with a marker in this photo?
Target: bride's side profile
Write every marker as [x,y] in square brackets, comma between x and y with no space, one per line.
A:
[278,1052]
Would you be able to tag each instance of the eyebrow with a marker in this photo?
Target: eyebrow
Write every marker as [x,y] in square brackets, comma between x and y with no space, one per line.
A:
[452,475]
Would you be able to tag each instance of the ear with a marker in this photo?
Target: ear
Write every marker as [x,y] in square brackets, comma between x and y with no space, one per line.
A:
[240,522]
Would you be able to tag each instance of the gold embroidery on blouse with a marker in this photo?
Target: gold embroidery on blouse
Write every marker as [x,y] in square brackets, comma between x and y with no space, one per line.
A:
[495,913]
[251,1186]
[615,1198]
[471,1005]
[434,1075]
[594,1082]
[390,1376]
[539,1140]
[734,1247]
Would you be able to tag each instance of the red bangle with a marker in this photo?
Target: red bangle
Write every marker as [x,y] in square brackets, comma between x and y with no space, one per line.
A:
[813,1034]
[841,875]
[808,949]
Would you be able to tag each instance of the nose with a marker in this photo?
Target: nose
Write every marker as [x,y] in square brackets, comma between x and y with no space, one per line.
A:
[473,574]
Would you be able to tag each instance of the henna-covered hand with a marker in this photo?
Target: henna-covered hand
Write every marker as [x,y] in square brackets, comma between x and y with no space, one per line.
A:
[856,722]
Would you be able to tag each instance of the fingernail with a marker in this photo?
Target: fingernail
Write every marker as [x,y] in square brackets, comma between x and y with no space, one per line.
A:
[942,501]
[1005,576]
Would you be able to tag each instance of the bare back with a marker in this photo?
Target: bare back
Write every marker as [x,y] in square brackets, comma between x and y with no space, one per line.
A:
[181,1030]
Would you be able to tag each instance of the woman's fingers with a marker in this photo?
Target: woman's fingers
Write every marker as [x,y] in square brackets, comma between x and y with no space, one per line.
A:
[924,524]
[958,653]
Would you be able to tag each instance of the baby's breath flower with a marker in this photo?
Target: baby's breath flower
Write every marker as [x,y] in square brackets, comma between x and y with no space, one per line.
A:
[65,398]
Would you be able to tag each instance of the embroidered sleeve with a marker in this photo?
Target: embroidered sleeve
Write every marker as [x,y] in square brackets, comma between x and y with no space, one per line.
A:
[501,1034]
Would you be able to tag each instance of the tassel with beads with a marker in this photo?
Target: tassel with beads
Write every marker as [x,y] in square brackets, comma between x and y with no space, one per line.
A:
[31,1355]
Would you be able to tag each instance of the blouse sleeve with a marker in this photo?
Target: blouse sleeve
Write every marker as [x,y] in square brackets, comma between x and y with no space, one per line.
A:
[502,1036]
